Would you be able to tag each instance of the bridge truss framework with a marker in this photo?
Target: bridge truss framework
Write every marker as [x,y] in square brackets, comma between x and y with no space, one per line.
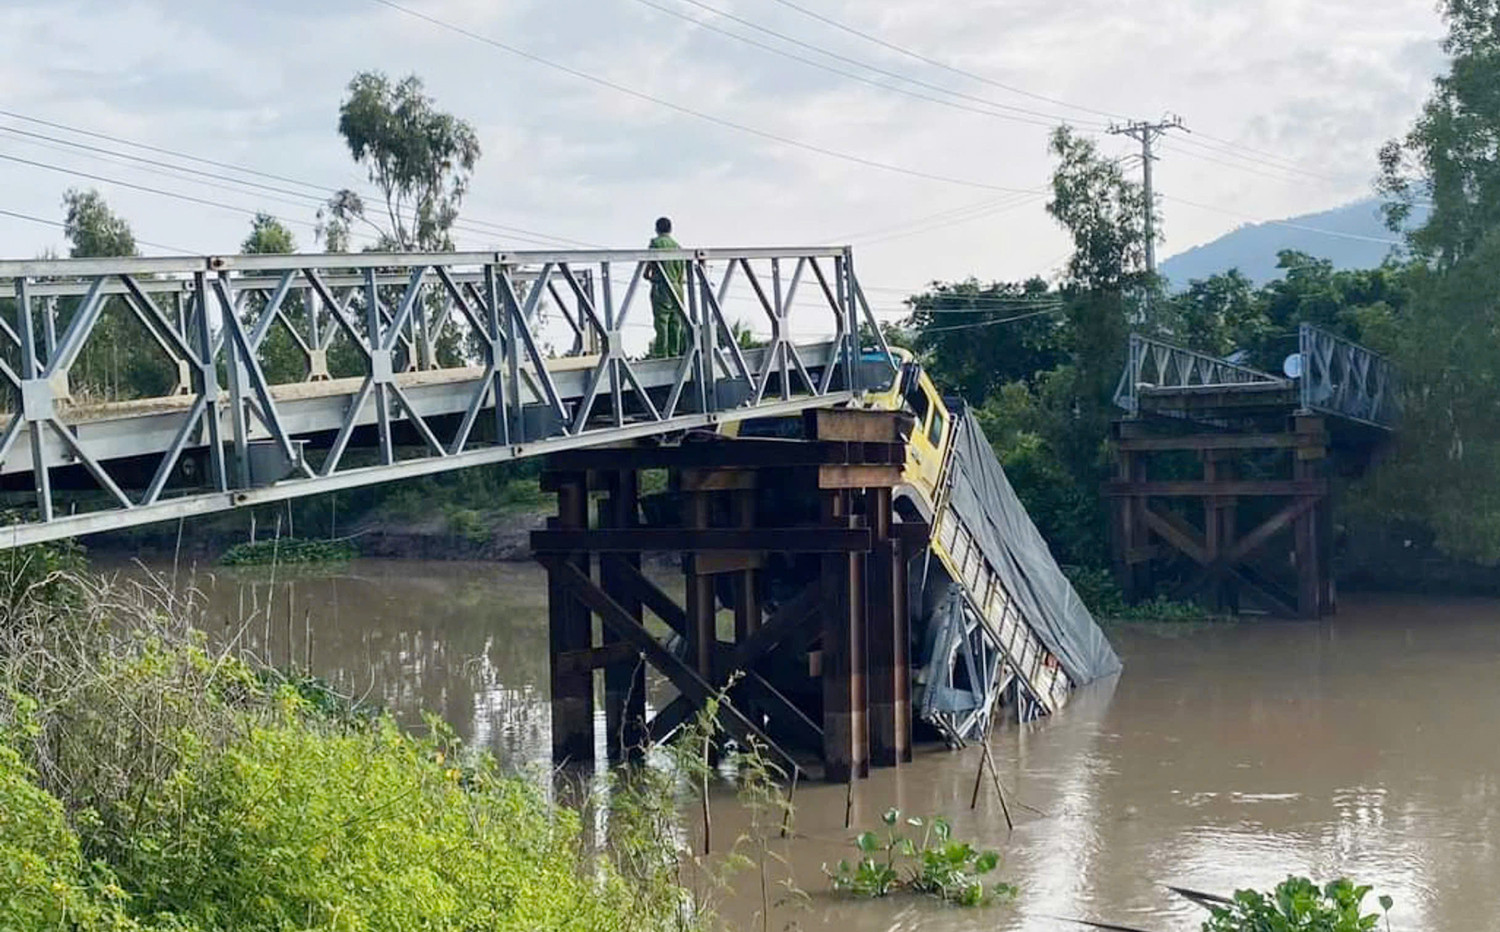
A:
[292,375]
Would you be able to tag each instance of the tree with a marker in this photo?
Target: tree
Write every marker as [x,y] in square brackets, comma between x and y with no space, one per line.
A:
[975,339]
[420,158]
[280,356]
[92,229]
[268,235]
[1446,339]
[1448,156]
[121,359]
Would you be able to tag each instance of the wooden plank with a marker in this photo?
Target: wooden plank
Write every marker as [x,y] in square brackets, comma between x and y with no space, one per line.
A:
[625,681]
[860,424]
[1213,442]
[713,562]
[570,662]
[779,540]
[637,586]
[1267,529]
[1178,533]
[687,681]
[720,454]
[718,480]
[788,619]
[1189,488]
[858,477]
[911,532]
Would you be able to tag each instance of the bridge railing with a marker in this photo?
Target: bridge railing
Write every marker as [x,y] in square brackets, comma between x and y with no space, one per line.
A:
[161,388]
[1342,378]
[1156,364]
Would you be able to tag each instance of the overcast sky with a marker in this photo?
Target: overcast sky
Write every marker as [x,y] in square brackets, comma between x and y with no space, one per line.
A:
[1302,91]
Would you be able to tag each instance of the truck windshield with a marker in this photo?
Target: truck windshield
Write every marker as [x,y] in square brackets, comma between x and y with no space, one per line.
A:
[877,371]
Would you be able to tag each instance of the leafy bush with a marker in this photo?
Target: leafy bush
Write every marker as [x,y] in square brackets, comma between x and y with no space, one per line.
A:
[289,550]
[1299,905]
[935,864]
[1097,589]
[39,577]
[148,781]
[44,883]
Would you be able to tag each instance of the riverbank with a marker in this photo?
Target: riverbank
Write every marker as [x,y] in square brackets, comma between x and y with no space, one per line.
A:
[154,777]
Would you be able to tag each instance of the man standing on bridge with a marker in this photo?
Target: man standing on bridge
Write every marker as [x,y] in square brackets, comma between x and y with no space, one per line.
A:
[667,309]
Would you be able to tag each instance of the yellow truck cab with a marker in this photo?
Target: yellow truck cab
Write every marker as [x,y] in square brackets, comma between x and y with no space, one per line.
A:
[928,444]
[899,383]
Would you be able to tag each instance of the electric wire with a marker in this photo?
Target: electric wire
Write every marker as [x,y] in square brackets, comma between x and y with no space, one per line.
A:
[992,323]
[1291,225]
[63,226]
[1032,117]
[973,76]
[322,189]
[689,111]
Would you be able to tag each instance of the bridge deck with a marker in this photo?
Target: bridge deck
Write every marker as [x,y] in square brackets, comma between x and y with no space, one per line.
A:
[449,360]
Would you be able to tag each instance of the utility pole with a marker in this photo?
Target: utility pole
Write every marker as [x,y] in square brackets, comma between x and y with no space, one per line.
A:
[1147,133]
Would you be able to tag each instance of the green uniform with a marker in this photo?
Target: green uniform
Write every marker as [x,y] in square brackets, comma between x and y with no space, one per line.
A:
[667,303]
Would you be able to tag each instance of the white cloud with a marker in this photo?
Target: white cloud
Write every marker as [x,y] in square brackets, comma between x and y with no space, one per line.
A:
[259,83]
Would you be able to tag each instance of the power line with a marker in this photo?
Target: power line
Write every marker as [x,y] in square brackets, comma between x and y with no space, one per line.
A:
[217,181]
[941,64]
[1046,119]
[992,323]
[60,225]
[994,211]
[1285,223]
[679,108]
[322,189]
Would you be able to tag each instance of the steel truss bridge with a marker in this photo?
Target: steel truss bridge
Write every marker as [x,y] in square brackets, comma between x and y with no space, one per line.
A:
[292,375]
[1258,519]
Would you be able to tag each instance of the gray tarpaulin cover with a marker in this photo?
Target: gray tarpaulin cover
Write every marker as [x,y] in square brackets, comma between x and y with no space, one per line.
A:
[983,497]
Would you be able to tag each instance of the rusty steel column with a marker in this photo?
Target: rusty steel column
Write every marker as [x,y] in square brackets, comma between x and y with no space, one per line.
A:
[746,599]
[624,681]
[570,629]
[702,633]
[845,723]
[890,674]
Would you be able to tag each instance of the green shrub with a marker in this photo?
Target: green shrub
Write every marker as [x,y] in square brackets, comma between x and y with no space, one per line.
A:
[40,577]
[204,794]
[287,550]
[298,826]
[930,862]
[1097,589]
[1299,905]
[44,883]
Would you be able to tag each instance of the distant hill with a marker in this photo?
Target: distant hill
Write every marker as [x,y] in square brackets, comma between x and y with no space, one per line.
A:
[1252,248]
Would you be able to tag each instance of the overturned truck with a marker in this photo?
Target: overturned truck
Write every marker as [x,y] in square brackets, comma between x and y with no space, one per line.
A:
[994,621]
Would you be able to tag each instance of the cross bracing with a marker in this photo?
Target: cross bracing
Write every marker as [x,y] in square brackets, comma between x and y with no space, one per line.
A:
[287,375]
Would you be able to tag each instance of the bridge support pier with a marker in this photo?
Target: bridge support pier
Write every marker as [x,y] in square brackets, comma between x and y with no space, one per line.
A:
[1181,537]
[808,659]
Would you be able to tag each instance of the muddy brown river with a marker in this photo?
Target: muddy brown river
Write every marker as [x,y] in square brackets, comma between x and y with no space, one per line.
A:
[1224,756]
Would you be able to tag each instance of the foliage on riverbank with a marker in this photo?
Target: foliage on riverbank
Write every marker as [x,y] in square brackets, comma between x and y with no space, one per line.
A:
[1096,587]
[288,550]
[150,781]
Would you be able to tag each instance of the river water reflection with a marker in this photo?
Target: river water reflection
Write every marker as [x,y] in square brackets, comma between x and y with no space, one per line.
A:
[1224,756]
